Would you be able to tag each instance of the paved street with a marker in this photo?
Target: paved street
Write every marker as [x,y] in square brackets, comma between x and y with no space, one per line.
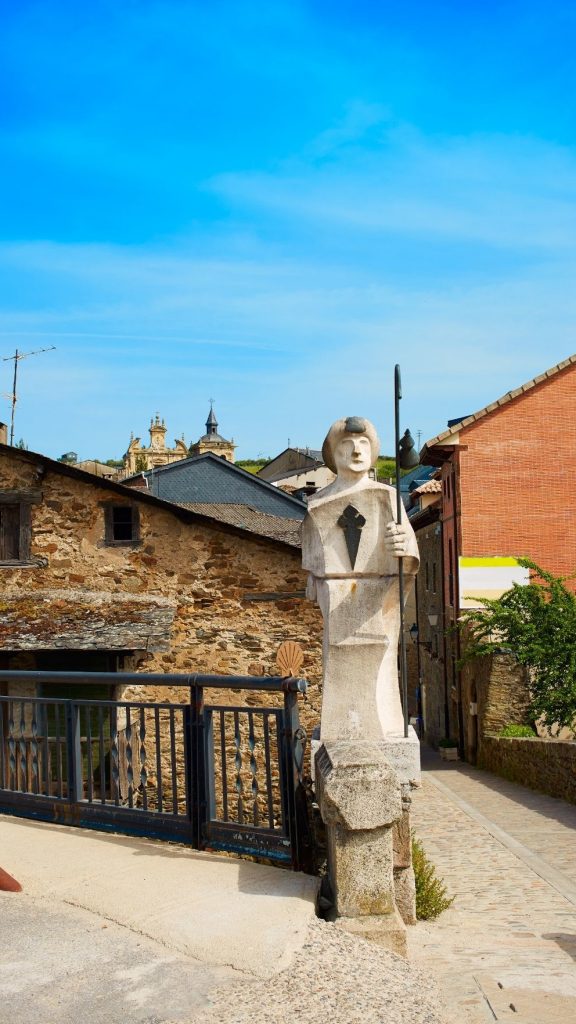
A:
[118,927]
[505,951]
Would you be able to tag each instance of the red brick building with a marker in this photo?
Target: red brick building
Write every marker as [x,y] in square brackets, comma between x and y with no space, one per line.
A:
[506,474]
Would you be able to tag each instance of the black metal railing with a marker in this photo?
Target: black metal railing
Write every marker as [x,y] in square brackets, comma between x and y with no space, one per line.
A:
[223,777]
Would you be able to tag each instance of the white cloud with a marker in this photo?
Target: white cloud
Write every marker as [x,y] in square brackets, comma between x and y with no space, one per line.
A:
[291,321]
[497,190]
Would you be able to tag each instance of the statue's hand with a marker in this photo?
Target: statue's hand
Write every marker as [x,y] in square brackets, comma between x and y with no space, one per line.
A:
[396,539]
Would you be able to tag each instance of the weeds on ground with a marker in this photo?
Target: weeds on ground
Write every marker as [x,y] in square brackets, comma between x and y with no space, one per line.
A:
[431,894]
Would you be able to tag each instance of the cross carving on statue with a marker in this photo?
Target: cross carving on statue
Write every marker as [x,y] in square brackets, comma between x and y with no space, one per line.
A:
[352,521]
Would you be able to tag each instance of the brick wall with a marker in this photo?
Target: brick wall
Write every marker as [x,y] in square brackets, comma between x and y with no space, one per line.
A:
[516,477]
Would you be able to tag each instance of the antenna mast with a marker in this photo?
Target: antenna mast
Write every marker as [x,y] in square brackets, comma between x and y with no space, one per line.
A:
[13,396]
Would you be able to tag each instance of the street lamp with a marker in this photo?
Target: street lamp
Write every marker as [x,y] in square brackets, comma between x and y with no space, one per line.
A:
[414,633]
[406,458]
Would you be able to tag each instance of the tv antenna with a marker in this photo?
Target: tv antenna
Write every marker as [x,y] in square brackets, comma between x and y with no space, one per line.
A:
[13,396]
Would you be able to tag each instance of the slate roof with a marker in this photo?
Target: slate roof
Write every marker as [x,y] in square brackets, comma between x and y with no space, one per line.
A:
[314,453]
[209,480]
[247,518]
[458,425]
[415,478]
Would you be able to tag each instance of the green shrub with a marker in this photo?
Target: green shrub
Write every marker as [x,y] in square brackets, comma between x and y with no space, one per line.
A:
[448,743]
[513,729]
[536,622]
[431,897]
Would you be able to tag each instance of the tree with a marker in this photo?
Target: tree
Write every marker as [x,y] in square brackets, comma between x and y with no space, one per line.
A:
[536,622]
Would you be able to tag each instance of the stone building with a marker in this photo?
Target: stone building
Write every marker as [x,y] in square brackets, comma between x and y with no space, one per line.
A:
[213,486]
[211,441]
[495,507]
[298,471]
[139,457]
[98,576]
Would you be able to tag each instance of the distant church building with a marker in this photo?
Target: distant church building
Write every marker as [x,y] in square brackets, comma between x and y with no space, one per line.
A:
[138,458]
[211,441]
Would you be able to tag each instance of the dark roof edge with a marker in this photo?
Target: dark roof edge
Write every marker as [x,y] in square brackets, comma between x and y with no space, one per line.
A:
[136,495]
[299,451]
[436,455]
[425,517]
[219,461]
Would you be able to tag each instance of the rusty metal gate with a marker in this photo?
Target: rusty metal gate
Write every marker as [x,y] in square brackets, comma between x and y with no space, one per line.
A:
[216,776]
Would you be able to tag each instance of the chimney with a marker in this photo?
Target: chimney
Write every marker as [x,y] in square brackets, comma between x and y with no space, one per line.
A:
[3,433]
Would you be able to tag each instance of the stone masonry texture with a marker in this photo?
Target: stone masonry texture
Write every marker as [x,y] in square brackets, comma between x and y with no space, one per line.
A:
[547,765]
[197,580]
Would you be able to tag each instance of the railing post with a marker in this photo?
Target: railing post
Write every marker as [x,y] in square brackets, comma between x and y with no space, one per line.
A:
[288,773]
[74,752]
[294,739]
[196,766]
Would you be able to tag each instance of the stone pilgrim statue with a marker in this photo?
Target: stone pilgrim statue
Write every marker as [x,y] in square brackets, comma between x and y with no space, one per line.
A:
[351,546]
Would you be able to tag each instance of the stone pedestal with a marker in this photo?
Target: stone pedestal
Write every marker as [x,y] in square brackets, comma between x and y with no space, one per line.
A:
[360,801]
[403,754]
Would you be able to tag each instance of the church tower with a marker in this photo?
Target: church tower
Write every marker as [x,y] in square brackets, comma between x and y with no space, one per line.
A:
[211,441]
[157,434]
[140,458]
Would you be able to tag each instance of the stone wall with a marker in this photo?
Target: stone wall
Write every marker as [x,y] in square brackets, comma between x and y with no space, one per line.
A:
[497,687]
[547,765]
[218,585]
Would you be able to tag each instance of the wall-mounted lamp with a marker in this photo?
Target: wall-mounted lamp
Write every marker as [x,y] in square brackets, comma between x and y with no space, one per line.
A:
[414,638]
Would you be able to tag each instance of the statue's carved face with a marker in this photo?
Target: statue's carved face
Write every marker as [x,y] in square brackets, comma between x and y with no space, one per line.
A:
[353,454]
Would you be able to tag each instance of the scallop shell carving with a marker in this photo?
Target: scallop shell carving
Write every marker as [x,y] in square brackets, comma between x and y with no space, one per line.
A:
[289,658]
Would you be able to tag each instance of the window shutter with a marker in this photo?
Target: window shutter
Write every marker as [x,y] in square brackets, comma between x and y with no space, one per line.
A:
[10,533]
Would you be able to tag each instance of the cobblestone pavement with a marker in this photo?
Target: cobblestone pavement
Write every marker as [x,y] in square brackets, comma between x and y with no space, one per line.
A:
[506,949]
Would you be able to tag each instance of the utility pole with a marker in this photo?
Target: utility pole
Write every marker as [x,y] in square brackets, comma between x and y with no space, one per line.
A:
[13,396]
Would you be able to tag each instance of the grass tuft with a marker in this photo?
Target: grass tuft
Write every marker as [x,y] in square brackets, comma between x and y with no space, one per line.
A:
[431,894]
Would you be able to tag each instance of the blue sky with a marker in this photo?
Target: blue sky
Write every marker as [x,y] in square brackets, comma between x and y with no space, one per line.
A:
[272,204]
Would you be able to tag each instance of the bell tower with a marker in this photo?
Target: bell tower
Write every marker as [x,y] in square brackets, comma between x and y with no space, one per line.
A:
[157,434]
[212,441]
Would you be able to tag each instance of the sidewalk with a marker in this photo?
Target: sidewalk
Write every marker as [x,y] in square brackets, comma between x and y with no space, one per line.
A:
[505,950]
[112,929]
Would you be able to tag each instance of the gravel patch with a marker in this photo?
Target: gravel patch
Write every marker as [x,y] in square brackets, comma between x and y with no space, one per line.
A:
[335,978]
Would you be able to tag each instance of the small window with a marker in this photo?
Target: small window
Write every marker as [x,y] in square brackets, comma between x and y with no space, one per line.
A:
[121,523]
[433,577]
[14,530]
